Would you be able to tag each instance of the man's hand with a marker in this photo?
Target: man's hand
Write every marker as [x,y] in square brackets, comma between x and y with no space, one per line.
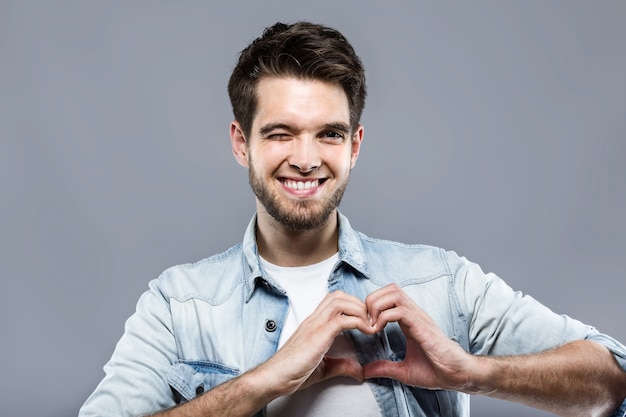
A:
[302,361]
[580,378]
[432,360]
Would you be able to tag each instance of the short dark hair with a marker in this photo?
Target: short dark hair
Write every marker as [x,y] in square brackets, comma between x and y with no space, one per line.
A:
[303,50]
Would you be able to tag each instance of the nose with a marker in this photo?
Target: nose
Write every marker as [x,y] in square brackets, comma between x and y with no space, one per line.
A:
[305,156]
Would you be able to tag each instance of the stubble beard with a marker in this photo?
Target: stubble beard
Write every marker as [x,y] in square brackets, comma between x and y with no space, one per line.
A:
[297,216]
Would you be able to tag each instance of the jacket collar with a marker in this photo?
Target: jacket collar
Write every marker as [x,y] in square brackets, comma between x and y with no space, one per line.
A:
[350,252]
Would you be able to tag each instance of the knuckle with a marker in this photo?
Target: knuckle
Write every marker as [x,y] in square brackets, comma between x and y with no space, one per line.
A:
[337,294]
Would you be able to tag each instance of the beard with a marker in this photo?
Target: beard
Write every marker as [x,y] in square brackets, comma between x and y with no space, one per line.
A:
[298,216]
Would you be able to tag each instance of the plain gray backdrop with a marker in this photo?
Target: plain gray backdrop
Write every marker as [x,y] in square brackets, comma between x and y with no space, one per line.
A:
[492,128]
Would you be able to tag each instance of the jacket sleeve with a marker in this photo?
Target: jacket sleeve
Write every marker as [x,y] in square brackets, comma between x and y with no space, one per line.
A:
[135,381]
[502,321]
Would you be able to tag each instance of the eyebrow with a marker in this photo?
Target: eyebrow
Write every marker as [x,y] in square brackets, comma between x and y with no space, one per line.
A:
[264,130]
[340,126]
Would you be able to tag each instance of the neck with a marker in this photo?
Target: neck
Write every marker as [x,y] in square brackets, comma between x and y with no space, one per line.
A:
[285,247]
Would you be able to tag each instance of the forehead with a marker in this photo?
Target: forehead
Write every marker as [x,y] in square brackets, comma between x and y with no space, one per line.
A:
[293,100]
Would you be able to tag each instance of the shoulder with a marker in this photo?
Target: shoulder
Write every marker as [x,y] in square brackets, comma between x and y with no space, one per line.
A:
[212,278]
[408,263]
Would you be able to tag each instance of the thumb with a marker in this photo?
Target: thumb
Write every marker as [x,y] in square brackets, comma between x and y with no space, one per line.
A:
[349,367]
[383,369]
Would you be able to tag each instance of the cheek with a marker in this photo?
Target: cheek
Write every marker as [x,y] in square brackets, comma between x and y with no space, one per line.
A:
[341,161]
[266,158]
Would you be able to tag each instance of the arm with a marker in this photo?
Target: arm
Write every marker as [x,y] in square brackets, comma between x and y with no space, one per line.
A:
[577,379]
[241,396]
[580,378]
[301,362]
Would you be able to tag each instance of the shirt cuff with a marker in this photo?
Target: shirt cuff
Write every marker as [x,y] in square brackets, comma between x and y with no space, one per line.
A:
[619,353]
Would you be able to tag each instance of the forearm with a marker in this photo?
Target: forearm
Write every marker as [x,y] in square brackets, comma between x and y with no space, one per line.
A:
[577,379]
[239,397]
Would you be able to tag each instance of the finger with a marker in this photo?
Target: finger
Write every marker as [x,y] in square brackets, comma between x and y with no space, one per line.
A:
[395,306]
[390,299]
[382,292]
[339,300]
[346,322]
[336,314]
[341,311]
[382,299]
[412,320]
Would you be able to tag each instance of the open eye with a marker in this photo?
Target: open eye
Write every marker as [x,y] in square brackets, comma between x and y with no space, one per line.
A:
[333,136]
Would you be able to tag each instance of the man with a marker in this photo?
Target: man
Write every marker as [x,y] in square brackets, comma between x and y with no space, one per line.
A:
[310,317]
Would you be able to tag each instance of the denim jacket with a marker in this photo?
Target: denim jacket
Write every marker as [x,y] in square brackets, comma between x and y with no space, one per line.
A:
[200,324]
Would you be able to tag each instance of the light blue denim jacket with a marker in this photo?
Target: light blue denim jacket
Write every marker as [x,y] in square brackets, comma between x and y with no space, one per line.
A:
[201,324]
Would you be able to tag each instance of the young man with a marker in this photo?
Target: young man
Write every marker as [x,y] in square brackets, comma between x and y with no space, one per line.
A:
[309,317]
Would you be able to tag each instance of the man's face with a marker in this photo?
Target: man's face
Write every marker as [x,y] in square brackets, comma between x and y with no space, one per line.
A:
[300,150]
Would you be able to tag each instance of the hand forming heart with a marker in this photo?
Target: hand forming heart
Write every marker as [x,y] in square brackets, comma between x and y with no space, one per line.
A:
[432,360]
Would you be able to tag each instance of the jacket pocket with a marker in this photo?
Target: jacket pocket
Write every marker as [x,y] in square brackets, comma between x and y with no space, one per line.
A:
[188,379]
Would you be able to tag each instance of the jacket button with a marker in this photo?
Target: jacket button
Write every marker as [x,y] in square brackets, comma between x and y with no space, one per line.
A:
[270,325]
[199,389]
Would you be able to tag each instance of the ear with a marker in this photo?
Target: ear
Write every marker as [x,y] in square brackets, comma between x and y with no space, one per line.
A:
[357,138]
[239,144]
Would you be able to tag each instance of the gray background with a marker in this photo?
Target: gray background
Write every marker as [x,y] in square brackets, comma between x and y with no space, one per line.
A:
[495,129]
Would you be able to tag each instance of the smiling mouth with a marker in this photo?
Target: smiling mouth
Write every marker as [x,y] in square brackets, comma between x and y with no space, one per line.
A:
[302,185]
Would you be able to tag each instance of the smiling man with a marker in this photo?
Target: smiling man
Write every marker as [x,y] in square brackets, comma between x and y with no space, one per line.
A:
[310,317]
[295,128]
[299,151]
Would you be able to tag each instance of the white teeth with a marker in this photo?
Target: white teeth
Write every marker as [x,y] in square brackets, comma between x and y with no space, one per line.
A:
[301,185]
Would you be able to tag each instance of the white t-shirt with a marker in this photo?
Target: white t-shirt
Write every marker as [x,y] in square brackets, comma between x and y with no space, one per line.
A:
[306,286]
